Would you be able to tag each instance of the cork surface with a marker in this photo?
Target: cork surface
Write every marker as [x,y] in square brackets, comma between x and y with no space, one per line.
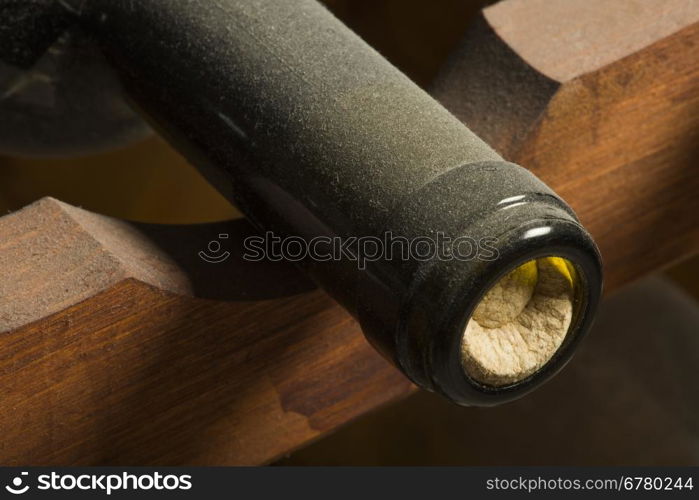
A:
[520,323]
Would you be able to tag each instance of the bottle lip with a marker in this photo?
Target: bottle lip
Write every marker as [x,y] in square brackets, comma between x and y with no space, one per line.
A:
[429,338]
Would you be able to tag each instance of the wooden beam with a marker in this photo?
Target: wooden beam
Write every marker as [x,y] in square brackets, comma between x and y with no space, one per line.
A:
[109,358]
[121,346]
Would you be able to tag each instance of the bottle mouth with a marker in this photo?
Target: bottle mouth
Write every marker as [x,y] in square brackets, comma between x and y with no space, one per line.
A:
[486,332]
[520,323]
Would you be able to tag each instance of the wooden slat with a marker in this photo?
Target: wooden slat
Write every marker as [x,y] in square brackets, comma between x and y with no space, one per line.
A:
[120,346]
[118,361]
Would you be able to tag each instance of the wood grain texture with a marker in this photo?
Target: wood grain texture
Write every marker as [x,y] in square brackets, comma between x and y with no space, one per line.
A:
[119,345]
[575,38]
[117,368]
